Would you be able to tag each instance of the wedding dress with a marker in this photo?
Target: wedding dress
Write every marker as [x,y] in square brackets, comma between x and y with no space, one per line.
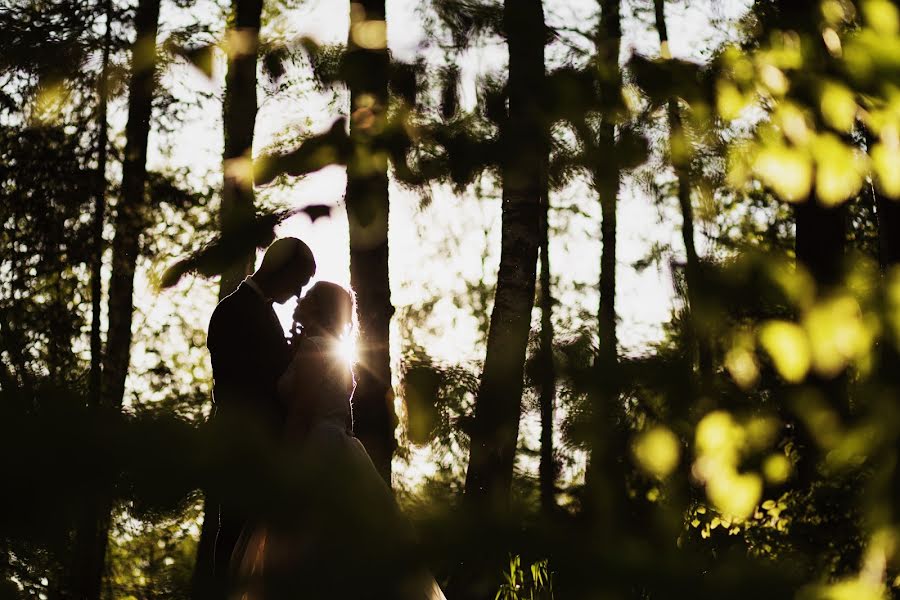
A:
[348,539]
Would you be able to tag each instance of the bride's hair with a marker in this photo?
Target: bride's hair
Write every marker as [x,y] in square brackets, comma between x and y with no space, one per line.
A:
[326,306]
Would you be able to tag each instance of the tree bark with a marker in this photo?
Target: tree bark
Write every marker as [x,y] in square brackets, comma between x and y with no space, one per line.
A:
[367,202]
[498,402]
[130,218]
[89,544]
[606,181]
[697,340]
[547,369]
[239,122]
[602,481]
[131,212]
[100,215]
[820,236]
[887,213]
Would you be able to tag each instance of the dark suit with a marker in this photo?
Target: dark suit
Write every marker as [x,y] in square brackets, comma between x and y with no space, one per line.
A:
[249,353]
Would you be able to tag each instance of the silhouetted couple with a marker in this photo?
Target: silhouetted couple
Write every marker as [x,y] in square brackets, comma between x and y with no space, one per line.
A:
[339,534]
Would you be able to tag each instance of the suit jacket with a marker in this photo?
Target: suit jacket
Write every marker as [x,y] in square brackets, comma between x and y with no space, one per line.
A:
[249,353]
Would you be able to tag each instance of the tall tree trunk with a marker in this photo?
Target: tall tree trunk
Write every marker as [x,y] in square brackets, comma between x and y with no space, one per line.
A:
[604,486]
[547,369]
[819,248]
[239,121]
[498,403]
[697,340]
[131,211]
[367,201]
[887,213]
[89,543]
[130,218]
[99,214]
[820,236]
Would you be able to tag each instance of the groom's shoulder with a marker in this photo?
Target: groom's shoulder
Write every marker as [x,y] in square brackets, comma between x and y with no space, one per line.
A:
[231,305]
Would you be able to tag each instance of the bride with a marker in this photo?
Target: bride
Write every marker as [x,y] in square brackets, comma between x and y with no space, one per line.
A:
[345,536]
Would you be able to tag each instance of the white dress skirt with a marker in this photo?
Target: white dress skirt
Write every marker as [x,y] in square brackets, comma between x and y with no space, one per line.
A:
[346,538]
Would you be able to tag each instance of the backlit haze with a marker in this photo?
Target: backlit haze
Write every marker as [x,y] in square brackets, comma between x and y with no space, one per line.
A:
[436,248]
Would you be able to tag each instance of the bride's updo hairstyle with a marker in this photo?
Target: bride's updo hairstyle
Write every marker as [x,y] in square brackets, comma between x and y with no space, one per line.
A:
[328,307]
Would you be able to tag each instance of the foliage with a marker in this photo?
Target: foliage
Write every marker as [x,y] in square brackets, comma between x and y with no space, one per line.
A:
[775,474]
[517,585]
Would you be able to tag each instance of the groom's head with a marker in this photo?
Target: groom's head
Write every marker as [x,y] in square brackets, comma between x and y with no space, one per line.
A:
[287,266]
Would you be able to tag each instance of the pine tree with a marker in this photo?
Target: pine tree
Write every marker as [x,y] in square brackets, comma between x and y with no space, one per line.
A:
[523,135]
[368,207]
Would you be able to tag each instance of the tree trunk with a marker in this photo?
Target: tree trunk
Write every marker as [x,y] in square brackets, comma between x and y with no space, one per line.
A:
[367,214]
[131,212]
[547,369]
[887,212]
[239,121]
[602,481]
[130,218]
[820,235]
[698,341]
[99,215]
[819,247]
[498,403]
[89,544]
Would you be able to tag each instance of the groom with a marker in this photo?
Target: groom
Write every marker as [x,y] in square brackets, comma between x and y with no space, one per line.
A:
[249,353]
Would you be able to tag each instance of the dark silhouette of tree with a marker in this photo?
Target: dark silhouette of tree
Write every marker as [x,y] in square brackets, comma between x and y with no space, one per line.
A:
[56,175]
[130,221]
[522,133]
[239,121]
[366,67]
[681,158]
[88,544]
[821,232]
[547,470]
[602,479]
[132,208]
[888,216]
[99,217]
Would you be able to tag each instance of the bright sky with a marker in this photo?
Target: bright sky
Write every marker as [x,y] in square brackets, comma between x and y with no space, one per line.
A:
[644,299]
[434,249]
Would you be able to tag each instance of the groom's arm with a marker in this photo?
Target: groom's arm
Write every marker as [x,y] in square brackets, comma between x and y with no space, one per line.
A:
[232,351]
[248,355]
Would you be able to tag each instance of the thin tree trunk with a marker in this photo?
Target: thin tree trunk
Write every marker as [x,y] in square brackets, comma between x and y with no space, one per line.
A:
[820,235]
[131,210]
[100,215]
[498,403]
[367,214]
[601,478]
[698,341]
[547,469]
[887,213]
[239,121]
[130,218]
[89,544]
[819,247]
